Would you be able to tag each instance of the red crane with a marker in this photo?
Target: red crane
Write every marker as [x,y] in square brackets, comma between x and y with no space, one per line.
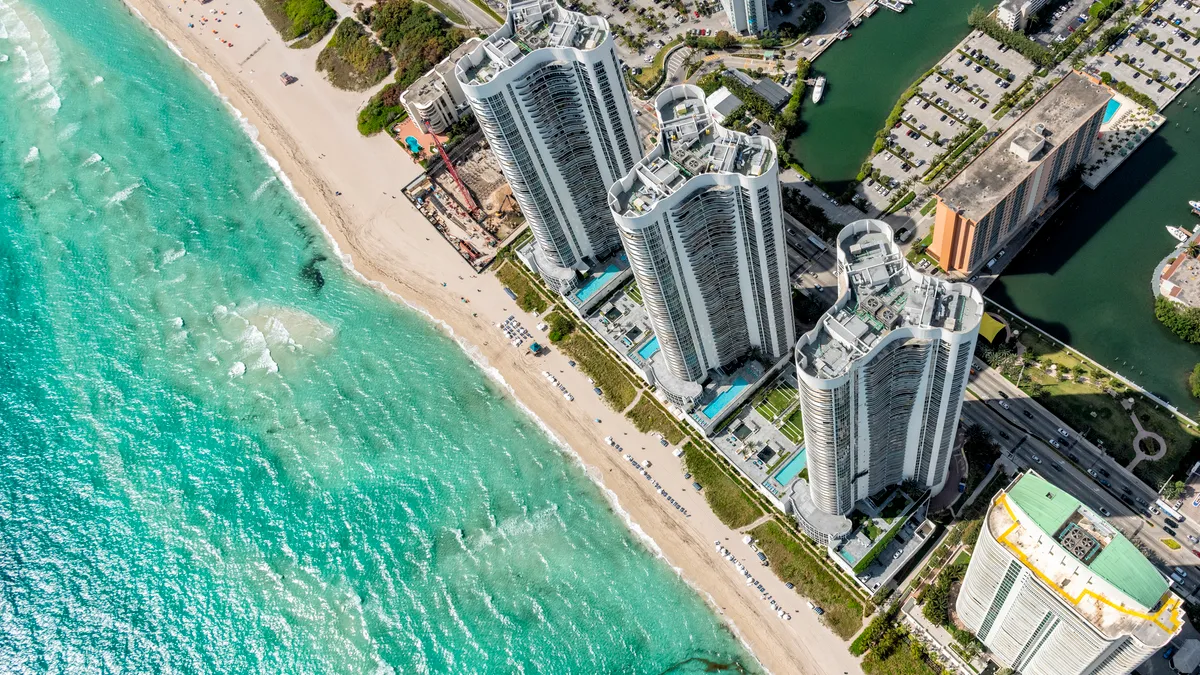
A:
[471,205]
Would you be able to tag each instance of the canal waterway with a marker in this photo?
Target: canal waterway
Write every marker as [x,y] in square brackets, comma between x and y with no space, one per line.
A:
[865,75]
[1086,277]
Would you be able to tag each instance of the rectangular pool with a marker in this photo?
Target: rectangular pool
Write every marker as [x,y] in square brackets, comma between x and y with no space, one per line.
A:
[793,468]
[1111,109]
[719,403]
[649,349]
[595,283]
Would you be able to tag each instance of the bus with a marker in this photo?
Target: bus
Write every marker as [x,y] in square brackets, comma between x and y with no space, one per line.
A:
[1167,510]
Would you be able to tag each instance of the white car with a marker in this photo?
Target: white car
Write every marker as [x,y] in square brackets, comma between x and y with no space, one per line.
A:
[1004,404]
[1055,443]
[1063,432]
[1036,458]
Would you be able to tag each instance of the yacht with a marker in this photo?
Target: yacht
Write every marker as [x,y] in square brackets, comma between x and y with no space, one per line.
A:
[1195,206]
[1179,233]
[819,90]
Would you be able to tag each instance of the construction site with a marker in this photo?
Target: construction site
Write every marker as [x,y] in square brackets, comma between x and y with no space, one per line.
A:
[467,200]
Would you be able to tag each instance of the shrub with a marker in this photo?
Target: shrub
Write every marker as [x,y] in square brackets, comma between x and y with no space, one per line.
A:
[618,390]
[308,19]
[1183,322]
[352,58]
[813,577]
[1194,381]
[528,296]
[725,496]
[648,415]
[382,111]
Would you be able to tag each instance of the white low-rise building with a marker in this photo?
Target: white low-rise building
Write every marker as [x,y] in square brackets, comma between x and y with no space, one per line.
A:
[436,99]
[1054,589]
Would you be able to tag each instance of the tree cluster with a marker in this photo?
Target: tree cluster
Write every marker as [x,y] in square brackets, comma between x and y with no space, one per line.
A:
[352,59]
[981,19]
[1184,322]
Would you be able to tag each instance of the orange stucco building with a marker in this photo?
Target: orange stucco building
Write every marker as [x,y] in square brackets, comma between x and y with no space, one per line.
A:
[1013,180]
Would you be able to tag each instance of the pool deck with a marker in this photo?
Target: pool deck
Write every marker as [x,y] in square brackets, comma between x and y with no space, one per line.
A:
[1131,124]
[603,278]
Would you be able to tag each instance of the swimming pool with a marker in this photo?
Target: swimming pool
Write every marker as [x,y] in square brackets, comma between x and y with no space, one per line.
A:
[649,349]
[719,403]
[589,289]
[792,468]
[413,146]
[1111,109]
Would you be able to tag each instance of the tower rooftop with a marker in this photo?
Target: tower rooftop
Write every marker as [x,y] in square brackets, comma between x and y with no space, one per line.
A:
[879,293]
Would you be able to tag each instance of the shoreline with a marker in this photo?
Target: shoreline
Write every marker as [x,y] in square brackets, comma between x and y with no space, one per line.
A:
[378,237]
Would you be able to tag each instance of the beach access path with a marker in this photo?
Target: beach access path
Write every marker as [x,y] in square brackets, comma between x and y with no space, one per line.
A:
[309,128]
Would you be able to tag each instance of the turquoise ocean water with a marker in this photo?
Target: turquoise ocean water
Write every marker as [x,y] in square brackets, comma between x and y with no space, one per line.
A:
[220,453]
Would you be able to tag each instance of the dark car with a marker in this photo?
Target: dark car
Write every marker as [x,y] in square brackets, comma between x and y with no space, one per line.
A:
[1169,531]
[1170,522]
[1027,414]
[1073,456]
[698,486]
[1105,473]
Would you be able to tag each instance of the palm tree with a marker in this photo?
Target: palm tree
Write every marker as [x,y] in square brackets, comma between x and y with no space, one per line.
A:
[1193,249]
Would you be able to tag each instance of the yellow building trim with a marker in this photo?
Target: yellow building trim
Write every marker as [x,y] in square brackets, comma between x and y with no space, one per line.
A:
[1172,607]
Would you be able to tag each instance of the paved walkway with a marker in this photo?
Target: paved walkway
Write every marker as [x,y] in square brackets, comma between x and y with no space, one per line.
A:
[1138,455]
[756,523]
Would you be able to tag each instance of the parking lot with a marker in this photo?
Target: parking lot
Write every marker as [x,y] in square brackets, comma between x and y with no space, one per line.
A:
[1063,20]
[1158,55]
[952,103]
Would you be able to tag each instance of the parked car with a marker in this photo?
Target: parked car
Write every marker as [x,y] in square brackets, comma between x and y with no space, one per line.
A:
[816,608]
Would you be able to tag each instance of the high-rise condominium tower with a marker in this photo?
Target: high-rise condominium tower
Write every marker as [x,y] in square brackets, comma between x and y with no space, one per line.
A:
[882,377]
[702,223]
[747,16]
[1055,589]
[548,93]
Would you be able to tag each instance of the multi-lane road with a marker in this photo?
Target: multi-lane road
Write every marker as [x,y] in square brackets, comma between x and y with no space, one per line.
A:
[1024,429]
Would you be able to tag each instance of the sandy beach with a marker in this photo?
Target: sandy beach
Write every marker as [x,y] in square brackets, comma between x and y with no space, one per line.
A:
[309,129]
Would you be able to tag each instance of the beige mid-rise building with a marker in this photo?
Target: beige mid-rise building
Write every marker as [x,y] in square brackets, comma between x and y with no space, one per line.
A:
[1015,179]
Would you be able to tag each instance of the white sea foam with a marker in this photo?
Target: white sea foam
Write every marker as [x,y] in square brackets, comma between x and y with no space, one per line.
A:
[92,159]
[123,194]
[69,131]
[32,155]
[265,184]
[238,368]
[172,255]
[3,57]
[48,96]
[97,80]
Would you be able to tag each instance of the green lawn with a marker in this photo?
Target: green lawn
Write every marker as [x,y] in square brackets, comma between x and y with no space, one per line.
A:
[776,400]
[634,293]
[651,73]
[724,496]
[529,297]
[791,427]
[963,558]
[1086,407]
[649,415]
[793,562]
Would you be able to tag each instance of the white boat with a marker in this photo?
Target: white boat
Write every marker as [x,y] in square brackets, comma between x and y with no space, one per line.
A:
[843,35]
[870,10]
[1179,233]
[906,2]
[1195,206]
[819,90]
